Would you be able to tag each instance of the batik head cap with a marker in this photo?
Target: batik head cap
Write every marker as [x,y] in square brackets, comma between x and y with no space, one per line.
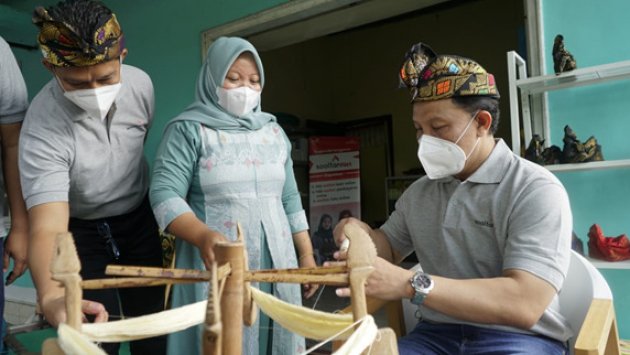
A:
[430,77]
[63,46]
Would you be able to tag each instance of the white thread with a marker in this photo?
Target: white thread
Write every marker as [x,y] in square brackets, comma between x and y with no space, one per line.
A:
[361,339]
[154,324]
[73,342]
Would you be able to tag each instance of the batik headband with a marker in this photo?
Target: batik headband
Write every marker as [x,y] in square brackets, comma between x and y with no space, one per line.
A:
[429,76]
[62,45]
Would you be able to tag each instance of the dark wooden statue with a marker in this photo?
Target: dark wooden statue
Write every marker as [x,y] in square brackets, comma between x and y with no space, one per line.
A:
[562,60]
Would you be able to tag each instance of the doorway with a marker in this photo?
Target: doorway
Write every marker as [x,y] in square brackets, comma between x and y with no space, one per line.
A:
[319,72]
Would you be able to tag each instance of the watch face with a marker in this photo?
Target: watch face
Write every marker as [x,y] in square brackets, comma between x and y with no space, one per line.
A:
[421,281]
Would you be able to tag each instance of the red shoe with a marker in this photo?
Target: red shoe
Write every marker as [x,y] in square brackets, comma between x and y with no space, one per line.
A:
[607,248]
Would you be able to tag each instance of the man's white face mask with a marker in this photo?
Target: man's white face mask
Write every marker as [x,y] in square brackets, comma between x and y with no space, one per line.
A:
[441,158]
[238,101]
[96,102]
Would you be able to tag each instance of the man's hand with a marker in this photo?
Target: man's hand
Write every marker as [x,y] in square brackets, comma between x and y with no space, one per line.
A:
[386,282]
[16,244]
[55,311]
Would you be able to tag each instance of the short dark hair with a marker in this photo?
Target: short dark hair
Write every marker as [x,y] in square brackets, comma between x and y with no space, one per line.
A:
[473,104]
[85,16]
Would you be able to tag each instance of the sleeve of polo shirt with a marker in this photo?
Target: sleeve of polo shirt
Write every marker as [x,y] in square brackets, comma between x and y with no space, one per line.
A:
[291,199]
[149,100]
[395,227]
[539,233]
[13,95]
[173,171]
[45,157]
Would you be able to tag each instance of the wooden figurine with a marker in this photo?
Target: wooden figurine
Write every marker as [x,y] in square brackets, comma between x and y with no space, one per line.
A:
[562,59]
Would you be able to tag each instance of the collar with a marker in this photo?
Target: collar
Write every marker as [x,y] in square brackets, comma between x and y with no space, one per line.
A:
[73,112]
[493,169]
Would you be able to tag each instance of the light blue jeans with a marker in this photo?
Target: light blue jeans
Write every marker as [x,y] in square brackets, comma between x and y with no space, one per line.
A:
[451,339]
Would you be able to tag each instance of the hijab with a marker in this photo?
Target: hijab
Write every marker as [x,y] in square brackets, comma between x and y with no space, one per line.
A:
[206,109]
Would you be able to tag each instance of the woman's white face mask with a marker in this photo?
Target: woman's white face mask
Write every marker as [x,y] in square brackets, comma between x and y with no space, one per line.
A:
[238,101]
[441,158]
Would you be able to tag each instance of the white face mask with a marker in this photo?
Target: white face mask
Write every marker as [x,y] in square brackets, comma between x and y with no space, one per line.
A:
[239,101]
[96,102]
[441,158]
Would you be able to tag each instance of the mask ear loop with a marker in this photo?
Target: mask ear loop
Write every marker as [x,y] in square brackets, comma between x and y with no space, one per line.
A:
[468,125]
[120,60]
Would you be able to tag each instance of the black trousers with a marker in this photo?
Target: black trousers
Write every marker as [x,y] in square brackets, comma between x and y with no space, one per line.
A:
[128,239]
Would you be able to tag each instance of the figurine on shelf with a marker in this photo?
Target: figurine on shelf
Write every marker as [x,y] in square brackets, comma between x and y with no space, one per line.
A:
[543,156]
[575,151]
[562,60]
[534,151]
[552,155]
[593,150]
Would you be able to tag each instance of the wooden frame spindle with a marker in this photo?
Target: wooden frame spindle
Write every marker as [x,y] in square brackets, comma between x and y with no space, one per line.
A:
[232,296]
[213,330]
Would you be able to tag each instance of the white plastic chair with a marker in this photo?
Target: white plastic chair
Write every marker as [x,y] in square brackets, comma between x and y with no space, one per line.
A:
[585,301]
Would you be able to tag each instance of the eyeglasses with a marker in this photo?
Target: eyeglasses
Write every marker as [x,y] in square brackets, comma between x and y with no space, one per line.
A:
[105,232]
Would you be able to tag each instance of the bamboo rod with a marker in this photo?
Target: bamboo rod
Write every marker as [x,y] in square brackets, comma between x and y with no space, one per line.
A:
[125,282]
[158,272]
[232,297]
[250,311]
[335,275]
[148,271]
[213,330]
[321,270]
[332,279]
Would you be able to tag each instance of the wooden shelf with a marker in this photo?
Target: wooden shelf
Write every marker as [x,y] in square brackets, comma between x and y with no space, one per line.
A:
[596,165]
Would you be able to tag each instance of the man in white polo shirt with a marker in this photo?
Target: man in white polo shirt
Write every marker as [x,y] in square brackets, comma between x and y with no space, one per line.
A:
[492,231]
[13,105]
[82,163]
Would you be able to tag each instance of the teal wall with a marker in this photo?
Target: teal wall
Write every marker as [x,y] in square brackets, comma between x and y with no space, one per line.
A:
[595,33]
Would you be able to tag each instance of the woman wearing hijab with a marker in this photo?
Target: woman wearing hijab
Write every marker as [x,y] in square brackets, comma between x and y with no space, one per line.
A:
[221,162]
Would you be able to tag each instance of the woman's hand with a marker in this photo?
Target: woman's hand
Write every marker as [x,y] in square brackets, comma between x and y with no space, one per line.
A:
[308,261]
[206,246]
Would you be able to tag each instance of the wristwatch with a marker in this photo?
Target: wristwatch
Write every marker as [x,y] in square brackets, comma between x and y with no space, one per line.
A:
[422,284]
